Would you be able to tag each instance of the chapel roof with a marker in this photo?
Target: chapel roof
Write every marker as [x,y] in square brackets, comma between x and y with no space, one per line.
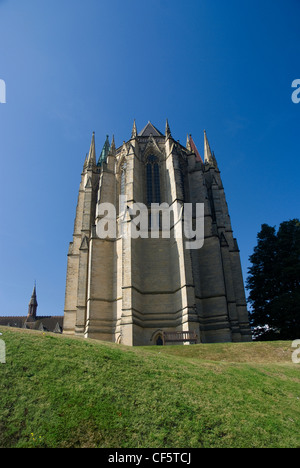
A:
[150,129]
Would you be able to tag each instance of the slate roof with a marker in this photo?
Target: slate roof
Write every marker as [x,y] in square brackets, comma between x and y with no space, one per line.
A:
[150,129]
[51,324]
[104,152]
[195,150]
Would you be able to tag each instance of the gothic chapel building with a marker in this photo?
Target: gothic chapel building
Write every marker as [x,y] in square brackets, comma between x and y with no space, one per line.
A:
[131,291]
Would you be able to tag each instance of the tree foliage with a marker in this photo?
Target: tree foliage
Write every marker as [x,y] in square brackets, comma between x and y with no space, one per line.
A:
[274,282]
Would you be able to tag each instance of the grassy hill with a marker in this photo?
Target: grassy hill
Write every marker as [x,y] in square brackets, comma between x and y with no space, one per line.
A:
[57,391]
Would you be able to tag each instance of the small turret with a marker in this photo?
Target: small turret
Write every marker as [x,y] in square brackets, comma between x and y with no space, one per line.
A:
[134,130]
[168,131]
[208,158]
[85,163]
[112,149]
[188,143]
[92,153]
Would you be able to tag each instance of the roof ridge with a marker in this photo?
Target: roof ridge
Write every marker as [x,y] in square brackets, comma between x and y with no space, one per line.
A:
[25,316]
[13,316]
[149,125]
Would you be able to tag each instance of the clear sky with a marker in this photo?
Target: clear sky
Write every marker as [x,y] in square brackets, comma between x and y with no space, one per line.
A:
[72,67]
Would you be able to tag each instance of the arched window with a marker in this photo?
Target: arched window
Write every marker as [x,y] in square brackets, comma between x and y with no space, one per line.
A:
[123,179]
[182,182]
[153,181]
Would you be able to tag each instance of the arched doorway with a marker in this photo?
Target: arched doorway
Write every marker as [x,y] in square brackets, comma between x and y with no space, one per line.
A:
[159,340]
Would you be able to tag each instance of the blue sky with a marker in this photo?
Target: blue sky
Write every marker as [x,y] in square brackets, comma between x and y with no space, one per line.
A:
[73,67]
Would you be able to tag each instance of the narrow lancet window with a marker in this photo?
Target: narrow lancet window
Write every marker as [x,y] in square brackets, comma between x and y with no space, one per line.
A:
[153,181]
[149,184]
[156,182]
[123,179]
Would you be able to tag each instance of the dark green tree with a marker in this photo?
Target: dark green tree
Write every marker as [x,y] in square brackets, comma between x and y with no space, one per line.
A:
[274,282]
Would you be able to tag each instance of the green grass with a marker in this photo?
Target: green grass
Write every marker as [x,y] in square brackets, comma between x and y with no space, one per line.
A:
[58,391]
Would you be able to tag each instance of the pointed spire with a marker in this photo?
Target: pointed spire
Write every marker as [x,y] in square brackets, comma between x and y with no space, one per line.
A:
[85,162]
[168,131]
[32,307]
[33,299]
[134,130]
[104,152]
[92,152]
[188,143]
[207,151]
[112,149]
